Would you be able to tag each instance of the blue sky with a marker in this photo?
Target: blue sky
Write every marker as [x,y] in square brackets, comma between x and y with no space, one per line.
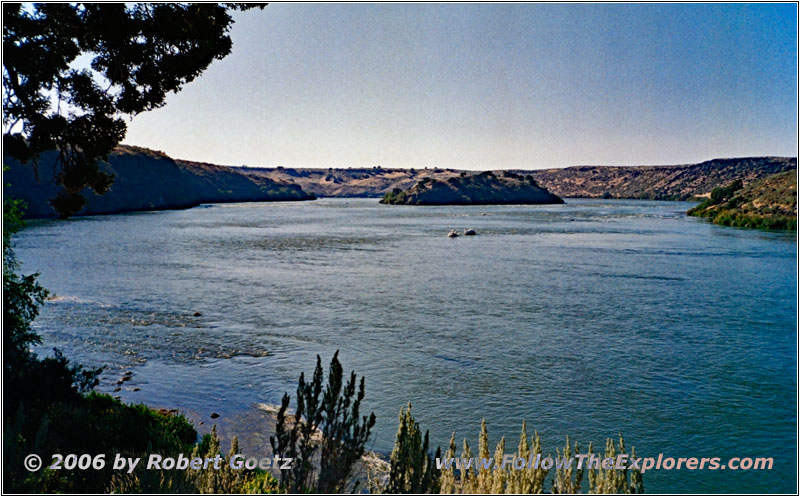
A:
[490,86]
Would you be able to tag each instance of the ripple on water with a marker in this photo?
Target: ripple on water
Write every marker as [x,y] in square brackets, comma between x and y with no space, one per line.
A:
[589,319]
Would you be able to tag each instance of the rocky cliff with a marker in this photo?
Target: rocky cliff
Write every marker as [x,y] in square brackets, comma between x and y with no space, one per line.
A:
[147,180]
[474,189]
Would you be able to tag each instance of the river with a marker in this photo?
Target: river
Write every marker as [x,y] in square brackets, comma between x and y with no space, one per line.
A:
[585,319]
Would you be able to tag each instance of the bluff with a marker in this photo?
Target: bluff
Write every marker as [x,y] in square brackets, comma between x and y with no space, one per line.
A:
[146,180]
[475,189]
[352,181]
[770,202]
[677,182]
[680,182]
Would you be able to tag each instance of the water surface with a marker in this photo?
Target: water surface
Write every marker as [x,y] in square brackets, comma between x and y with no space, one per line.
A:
[588,319]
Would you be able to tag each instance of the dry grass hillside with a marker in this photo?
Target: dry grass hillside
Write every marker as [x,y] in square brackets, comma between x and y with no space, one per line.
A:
[474,189]
[681,182]
[768,203]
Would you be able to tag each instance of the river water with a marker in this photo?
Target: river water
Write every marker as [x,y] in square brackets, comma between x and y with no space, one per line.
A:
[585,319]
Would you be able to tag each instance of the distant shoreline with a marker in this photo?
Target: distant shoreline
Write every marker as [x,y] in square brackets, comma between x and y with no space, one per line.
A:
[678,182]
[147,180]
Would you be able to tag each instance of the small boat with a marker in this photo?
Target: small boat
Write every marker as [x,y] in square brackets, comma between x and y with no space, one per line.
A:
[469,232]
[452,234]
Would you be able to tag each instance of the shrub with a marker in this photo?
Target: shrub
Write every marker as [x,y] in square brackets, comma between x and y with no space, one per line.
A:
[412,468]
[396,196]
[91,424]
[224,480]
[723,193]
[48,404]
[329,426]
[506,480]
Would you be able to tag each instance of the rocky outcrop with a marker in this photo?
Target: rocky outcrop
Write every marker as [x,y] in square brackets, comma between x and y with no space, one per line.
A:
[476,189]
[147,180]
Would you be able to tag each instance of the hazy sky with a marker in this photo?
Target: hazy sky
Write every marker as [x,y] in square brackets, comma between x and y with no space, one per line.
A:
[479,86]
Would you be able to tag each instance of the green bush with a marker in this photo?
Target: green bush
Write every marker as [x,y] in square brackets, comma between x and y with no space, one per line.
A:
[412,468]
[396,196]
[92,424]
[770,203]
[49,406]
[326,435]
[224,480]
[721,194]
[740,220]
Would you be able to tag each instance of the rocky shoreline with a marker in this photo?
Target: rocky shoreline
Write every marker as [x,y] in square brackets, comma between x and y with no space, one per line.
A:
[253,427]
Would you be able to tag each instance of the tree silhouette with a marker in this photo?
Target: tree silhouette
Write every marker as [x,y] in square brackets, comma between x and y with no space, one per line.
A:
[73,71]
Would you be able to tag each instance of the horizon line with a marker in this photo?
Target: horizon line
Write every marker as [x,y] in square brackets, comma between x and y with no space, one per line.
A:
[373,166]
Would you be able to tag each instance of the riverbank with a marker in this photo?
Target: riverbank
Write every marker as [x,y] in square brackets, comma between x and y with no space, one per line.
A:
[668,182]
[769,203]
[252,427]
[145,180]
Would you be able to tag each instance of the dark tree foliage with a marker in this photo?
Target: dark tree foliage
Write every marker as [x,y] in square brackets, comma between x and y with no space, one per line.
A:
[344,435]
[22,297]
[26,378]
[718,196]
[73,71]
[48,406]
[329,422]
[723,193]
